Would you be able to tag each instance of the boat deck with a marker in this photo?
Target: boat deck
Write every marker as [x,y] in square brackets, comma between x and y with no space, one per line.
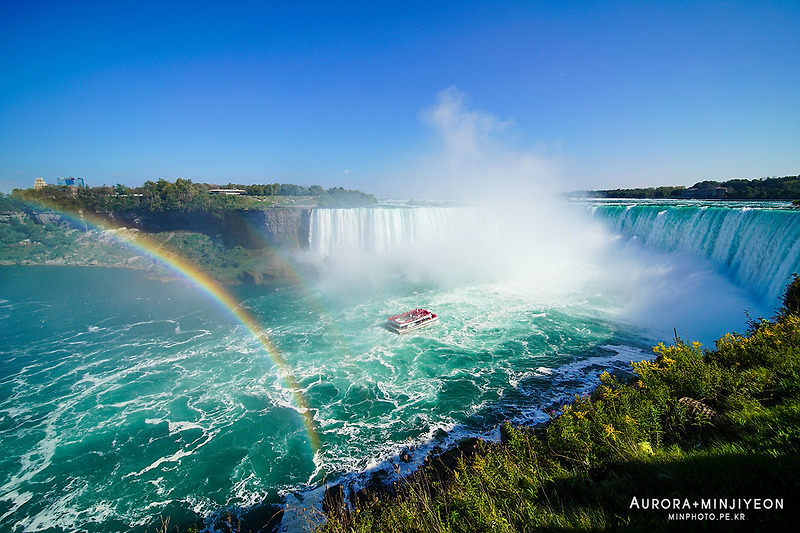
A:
[410,320]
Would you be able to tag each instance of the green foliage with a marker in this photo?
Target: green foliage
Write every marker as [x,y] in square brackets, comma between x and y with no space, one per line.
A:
[288,189]
[649,192]
[181,196]
[22,240]
[786,188]
[225,264]
[707,184]
[273,189]
[9,204]
[339,197]
[791,297]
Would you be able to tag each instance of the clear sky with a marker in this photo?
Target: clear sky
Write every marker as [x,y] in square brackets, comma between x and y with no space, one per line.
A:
[388,97]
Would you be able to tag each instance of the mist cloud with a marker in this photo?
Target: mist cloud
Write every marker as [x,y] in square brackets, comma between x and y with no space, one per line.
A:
[474,156]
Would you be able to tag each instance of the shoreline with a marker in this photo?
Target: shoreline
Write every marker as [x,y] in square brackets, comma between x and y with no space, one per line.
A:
[440,452]
[51,264]
[245,279]
[590,465]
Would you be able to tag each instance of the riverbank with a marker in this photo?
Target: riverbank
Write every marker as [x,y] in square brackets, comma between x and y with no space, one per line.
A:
[234,246]
[696,439]
[26,243]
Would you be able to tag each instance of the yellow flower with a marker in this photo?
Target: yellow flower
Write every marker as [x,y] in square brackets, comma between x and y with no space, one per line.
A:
[645,447]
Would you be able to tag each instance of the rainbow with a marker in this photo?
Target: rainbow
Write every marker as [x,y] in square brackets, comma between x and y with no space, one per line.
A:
[140,243]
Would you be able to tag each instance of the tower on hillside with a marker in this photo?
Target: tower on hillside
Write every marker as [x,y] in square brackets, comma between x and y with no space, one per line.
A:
[39,183]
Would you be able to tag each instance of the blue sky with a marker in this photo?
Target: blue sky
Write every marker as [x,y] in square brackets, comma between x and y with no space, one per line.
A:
[389,98]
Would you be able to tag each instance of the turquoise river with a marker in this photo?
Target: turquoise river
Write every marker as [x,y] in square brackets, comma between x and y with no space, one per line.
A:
[125,398]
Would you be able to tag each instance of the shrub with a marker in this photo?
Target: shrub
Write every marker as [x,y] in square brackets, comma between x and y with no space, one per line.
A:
[791,298]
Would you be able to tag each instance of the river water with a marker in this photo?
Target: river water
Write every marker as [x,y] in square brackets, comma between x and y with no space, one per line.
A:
[124,398]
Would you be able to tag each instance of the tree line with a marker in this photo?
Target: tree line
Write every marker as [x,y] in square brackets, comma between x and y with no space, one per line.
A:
[785,188]
[180,195]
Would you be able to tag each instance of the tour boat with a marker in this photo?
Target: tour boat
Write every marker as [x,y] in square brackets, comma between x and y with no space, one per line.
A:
[410,320]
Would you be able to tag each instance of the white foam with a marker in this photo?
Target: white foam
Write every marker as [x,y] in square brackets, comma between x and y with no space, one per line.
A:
[177,427]
[17,501]
[174,458]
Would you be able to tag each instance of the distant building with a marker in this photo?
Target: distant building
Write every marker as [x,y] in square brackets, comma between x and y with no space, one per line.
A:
[39,184]
[709,193]
[70,181]
[232,192]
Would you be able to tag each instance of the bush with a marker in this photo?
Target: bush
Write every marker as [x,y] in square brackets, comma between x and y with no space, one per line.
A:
[791,299]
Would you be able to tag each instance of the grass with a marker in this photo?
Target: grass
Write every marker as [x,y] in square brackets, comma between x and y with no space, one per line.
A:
[639,438]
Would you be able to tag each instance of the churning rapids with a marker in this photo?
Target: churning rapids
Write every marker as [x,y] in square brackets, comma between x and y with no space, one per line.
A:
[124,398]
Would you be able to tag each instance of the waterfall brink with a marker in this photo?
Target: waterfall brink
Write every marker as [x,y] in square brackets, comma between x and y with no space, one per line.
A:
[381,230]
[755,245]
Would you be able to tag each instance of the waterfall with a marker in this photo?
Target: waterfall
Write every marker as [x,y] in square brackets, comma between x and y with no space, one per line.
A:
[755,245]
[378,229]
[415,242]
[399,233]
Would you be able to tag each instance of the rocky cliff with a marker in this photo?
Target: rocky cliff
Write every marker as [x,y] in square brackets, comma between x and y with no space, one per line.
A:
[232,246]
[283,227]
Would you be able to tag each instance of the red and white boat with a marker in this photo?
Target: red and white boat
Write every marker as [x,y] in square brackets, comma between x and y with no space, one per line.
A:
[411,320]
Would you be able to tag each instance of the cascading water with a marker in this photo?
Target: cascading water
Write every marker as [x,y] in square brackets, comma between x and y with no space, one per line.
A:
[378,230]
[756,244]
[651,262]
[417,242]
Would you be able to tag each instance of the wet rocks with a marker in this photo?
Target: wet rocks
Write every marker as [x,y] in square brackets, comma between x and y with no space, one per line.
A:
[338,500]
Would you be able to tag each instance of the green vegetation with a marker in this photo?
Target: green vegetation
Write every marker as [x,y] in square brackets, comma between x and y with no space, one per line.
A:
[24,241]
[31,234]
[185,196]
[786,188]
[9,204]
[339,197]
[651,192]
[690,425]
[228,265]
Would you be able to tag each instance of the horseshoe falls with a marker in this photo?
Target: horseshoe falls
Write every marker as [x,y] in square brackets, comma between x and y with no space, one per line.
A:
[125,398]
[756,244]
